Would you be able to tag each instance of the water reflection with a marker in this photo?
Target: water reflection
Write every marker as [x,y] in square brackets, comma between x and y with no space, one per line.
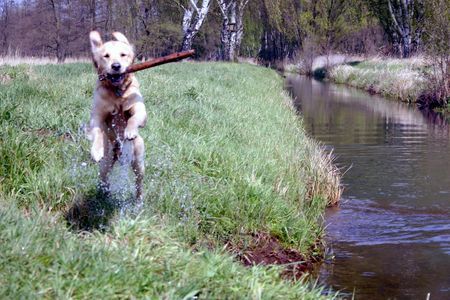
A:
[391,235]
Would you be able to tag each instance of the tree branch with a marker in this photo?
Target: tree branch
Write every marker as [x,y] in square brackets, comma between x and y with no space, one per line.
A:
[179,4]
[194,5]
[222,6]
[394,19]
[243,4]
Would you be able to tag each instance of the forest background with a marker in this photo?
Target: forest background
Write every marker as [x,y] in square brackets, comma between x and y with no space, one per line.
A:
[269,30]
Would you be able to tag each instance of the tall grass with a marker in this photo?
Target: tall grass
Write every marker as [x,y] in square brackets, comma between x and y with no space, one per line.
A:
[402,79]
[14,58]
[225,158]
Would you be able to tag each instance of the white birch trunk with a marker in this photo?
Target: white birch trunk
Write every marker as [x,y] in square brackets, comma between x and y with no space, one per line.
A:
[401,15]
[232,27]
[193,19]
[223,6]
[240,23]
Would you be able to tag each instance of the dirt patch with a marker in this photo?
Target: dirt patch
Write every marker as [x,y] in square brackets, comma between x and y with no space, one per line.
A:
[264,249]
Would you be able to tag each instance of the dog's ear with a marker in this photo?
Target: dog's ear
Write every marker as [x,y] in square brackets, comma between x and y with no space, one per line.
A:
[96,40]
[120,37]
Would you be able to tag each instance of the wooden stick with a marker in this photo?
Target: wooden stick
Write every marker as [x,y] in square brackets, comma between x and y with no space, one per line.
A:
[159,61]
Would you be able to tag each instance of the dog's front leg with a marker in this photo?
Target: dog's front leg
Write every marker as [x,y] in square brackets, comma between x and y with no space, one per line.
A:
[97,136]
[138,119]
[139,167]
[97,148]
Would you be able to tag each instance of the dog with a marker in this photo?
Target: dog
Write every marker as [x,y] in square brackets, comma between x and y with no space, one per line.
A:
[118,108]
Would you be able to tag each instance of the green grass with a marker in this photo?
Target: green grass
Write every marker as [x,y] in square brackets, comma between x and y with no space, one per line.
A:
[136,258]
[226,157]
[401,79]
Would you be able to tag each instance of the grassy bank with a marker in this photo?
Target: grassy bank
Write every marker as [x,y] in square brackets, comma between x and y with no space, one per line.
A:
[401,79]
[227,159]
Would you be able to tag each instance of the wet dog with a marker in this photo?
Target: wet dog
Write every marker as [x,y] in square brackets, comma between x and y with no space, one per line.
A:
[118,108]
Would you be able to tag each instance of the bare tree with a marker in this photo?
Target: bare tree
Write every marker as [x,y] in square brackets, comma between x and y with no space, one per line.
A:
[232,26]
[58,45]
[193,18]
[109,16]
[133,7]
[93,13]
[148,15]
[4,21]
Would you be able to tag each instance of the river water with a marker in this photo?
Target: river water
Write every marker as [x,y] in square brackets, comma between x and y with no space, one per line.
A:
[390,237]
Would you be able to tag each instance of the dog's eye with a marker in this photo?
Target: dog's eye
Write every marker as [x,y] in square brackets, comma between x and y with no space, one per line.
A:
[123,54]
[106,55]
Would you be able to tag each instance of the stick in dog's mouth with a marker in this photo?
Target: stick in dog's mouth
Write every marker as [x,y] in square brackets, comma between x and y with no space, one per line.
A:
[160,61]
[117,79]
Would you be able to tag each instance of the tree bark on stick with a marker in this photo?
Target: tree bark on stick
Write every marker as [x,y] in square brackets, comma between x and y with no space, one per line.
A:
[160,61]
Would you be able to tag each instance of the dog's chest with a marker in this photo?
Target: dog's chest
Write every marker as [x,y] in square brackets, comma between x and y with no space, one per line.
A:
[116,122]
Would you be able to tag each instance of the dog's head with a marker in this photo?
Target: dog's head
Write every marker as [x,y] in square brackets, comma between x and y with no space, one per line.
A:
[112,58]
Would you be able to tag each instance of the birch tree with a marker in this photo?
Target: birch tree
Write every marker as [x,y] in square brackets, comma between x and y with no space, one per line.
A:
[93,13]
[401,12]
[193,18]
[232,27]
[403,22]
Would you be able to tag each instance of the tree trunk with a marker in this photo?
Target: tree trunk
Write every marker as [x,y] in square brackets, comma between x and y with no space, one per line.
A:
[232,27]
[93,9]
[240,24]
[396,44]
[133,9]
[401,12]
[193,19]
[59,47]
[419,19]
[230,49]
[109,16]
[5,22]
[187,41]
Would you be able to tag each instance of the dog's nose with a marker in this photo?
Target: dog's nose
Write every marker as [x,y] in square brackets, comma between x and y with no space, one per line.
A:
[115,66]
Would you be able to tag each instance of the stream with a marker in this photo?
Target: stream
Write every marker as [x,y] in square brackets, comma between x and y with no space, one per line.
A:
[390,236]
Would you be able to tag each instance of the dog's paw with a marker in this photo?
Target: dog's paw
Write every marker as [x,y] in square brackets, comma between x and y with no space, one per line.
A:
[97,153]
[130,133]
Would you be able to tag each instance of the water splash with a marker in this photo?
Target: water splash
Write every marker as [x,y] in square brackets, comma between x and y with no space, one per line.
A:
[121,180]
[94,206]
[126,157]
[164,186]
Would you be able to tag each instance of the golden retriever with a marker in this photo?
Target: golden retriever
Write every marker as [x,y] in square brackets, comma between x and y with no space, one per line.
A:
[118,108]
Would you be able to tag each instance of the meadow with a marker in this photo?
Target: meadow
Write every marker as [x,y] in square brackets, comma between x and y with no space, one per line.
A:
[227,159]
